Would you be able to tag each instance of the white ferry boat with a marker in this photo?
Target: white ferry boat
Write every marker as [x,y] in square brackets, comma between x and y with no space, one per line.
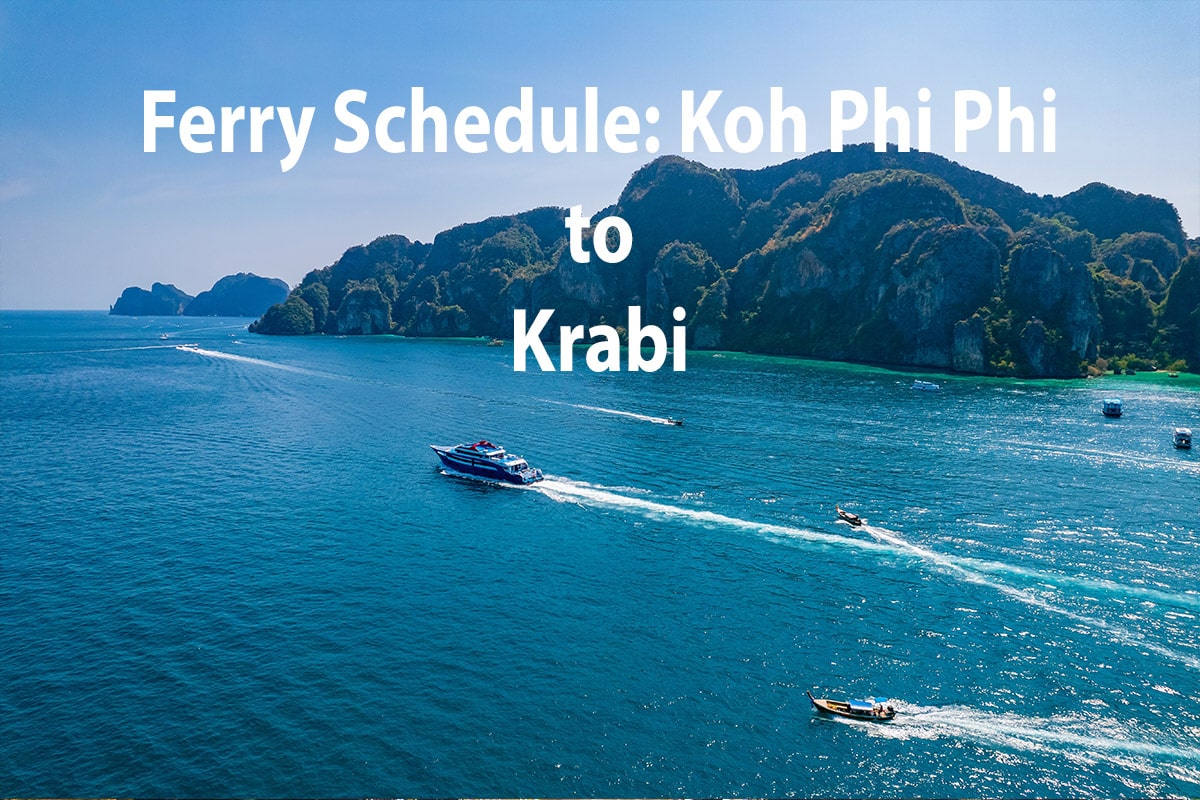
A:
[487,461]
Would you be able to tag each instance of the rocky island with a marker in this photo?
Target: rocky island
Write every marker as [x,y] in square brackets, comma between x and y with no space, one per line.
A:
[242,295]
[897,258]
[162,300]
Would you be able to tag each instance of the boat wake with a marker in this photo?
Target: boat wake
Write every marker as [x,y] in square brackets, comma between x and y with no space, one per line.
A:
[1098,585]
[91,350]
[962,569]
[1107,455]
[200,351]
[887,542]
[1085,737]
[563,489]
[617,412]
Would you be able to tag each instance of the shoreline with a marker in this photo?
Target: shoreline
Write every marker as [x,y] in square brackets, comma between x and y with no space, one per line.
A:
[1183,378]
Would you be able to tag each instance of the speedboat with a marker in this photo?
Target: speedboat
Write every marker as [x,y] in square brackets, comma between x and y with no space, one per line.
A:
[1111,407]
[1183,438]
[876,709]
[487,461]
[846,516]
[674,421]
[926,386]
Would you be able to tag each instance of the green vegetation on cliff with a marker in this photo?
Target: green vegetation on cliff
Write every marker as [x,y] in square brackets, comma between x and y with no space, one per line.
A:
[901,258]
[292,317]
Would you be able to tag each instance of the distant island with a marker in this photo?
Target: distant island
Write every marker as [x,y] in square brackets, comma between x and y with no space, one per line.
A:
[906,259]
[242,295]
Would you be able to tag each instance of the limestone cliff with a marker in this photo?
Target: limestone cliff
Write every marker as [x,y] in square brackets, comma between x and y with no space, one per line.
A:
[162,300]
[242,295]
[901,258]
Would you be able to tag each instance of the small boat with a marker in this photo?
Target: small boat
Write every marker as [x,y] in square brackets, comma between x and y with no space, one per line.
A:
[164,337]
[1183,438]
[876,709]
[487,461]
[846,516]
[1172,374]
[496,343]
[926,386]
[674,421]
[1111,407]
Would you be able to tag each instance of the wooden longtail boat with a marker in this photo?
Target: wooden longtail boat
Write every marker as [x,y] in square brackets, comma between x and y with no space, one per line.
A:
[874,710]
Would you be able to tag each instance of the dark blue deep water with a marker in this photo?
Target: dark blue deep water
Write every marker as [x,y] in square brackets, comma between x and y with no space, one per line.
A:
[235,569]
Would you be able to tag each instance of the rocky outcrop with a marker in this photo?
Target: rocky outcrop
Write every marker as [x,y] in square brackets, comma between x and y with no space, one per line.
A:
[162,300]
[901,258]
[293,317]
[1180,313]
[884,274]
[1110,213]
[947,275]
[1146,258]
[364,310]
[967,354]
[1045,284]
[242,295]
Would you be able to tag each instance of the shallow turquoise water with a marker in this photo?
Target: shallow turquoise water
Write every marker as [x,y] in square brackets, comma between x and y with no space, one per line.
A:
[236,570]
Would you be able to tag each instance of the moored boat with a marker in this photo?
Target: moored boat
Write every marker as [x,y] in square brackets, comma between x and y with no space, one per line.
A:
[846,516]
[487,460]
[926,386]
[1183,438]
[1111,407]
[876,709]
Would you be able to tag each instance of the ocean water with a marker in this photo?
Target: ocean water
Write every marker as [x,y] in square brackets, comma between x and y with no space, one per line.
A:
[236,569]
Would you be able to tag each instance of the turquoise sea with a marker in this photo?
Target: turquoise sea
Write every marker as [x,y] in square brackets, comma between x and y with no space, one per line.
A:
[235,569]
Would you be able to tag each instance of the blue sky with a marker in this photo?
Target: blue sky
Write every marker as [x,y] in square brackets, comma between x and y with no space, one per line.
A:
[84,212]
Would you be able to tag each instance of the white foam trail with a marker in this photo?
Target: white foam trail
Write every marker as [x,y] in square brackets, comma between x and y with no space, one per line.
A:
[1158,461]
[607,496]
[191,348]
[562,489]
[93,350]
[951,564]
[617,412]
[1093,584]
[1027,733]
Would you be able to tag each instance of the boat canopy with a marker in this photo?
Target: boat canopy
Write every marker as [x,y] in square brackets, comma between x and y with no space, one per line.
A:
[861,705]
